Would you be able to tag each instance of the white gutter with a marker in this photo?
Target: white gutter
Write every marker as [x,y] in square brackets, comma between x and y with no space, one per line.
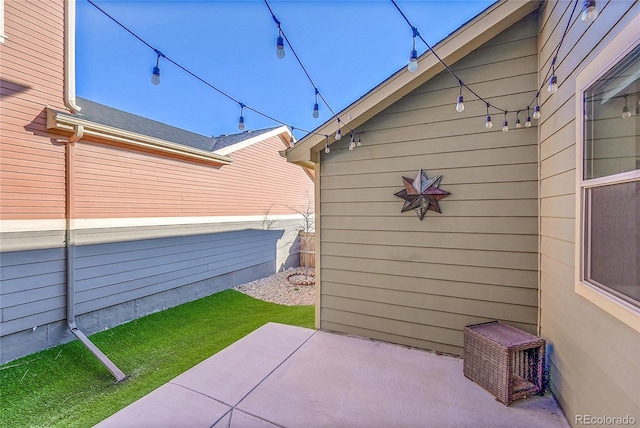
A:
[63,121]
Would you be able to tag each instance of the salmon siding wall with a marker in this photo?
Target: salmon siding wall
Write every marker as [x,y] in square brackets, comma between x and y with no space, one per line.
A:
[121,272]
[112,183]
[32,183]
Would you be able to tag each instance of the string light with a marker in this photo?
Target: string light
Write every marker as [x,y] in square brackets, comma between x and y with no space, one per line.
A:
[589,11]
[191,73]
[589,8]
[155,76]
[280,46]
[553,84]
[536,108]
[626,113]
[292,140]
[326,146]
[241,120]
[536,112]
[316,111]
[518,124]
[352,143]
[413,56]
[460,100]
[505,125]
[359,143]
[488,124]
[280,40]
[553,80]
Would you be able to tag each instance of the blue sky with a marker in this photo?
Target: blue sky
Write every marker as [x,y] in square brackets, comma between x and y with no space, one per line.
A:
[348,47]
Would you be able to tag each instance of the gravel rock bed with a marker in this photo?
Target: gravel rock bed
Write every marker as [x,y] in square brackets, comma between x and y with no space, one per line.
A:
[277,289]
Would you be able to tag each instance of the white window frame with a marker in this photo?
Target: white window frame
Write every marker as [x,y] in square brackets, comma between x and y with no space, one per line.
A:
[620,46]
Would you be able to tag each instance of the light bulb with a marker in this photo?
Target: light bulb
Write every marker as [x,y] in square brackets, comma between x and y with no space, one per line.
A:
[359,143]
[589,11]
[327,149]
[338,134]
[460,104]
[553,84]
[626,113]
[292,142]
[518,124]
[536,112]
[505,126]
[488,124]
[527,124]
[413,61]
[316,111]
[352,146]
[155,77]
[280,47]
[241,123]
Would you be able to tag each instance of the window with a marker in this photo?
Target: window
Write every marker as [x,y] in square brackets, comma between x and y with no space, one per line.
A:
[608,226]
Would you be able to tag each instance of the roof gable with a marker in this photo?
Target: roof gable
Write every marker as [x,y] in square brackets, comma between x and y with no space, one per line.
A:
[457,45]
[226,144]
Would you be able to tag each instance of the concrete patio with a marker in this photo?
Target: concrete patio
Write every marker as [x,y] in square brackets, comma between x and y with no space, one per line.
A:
[288,376]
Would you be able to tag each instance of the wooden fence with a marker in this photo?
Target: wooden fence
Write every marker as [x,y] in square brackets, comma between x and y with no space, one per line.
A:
[307,249]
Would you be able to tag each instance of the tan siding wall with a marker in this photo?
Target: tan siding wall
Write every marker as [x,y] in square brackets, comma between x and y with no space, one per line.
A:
[390,276]
[32,165]
[112,183]
[594,364]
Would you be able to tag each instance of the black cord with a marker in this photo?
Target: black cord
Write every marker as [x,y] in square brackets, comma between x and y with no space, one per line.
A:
[461,83]
[306,72]
[191,73]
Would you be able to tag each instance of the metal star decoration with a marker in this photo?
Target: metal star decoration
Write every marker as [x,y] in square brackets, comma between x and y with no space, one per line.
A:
[421,194]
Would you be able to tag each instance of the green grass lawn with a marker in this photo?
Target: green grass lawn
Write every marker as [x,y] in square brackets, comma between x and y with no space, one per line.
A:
[66,386]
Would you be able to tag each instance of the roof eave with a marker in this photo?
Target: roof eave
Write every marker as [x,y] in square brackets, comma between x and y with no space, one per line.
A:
[283,132]
[460,43]
[66,122]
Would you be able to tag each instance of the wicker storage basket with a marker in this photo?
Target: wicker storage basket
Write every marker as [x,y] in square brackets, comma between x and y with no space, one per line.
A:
[506,361]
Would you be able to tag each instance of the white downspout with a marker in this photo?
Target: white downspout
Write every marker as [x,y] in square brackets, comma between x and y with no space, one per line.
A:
[70,102]
[70,56]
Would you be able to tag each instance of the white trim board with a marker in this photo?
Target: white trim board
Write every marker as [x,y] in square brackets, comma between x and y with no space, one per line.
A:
[9,226]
